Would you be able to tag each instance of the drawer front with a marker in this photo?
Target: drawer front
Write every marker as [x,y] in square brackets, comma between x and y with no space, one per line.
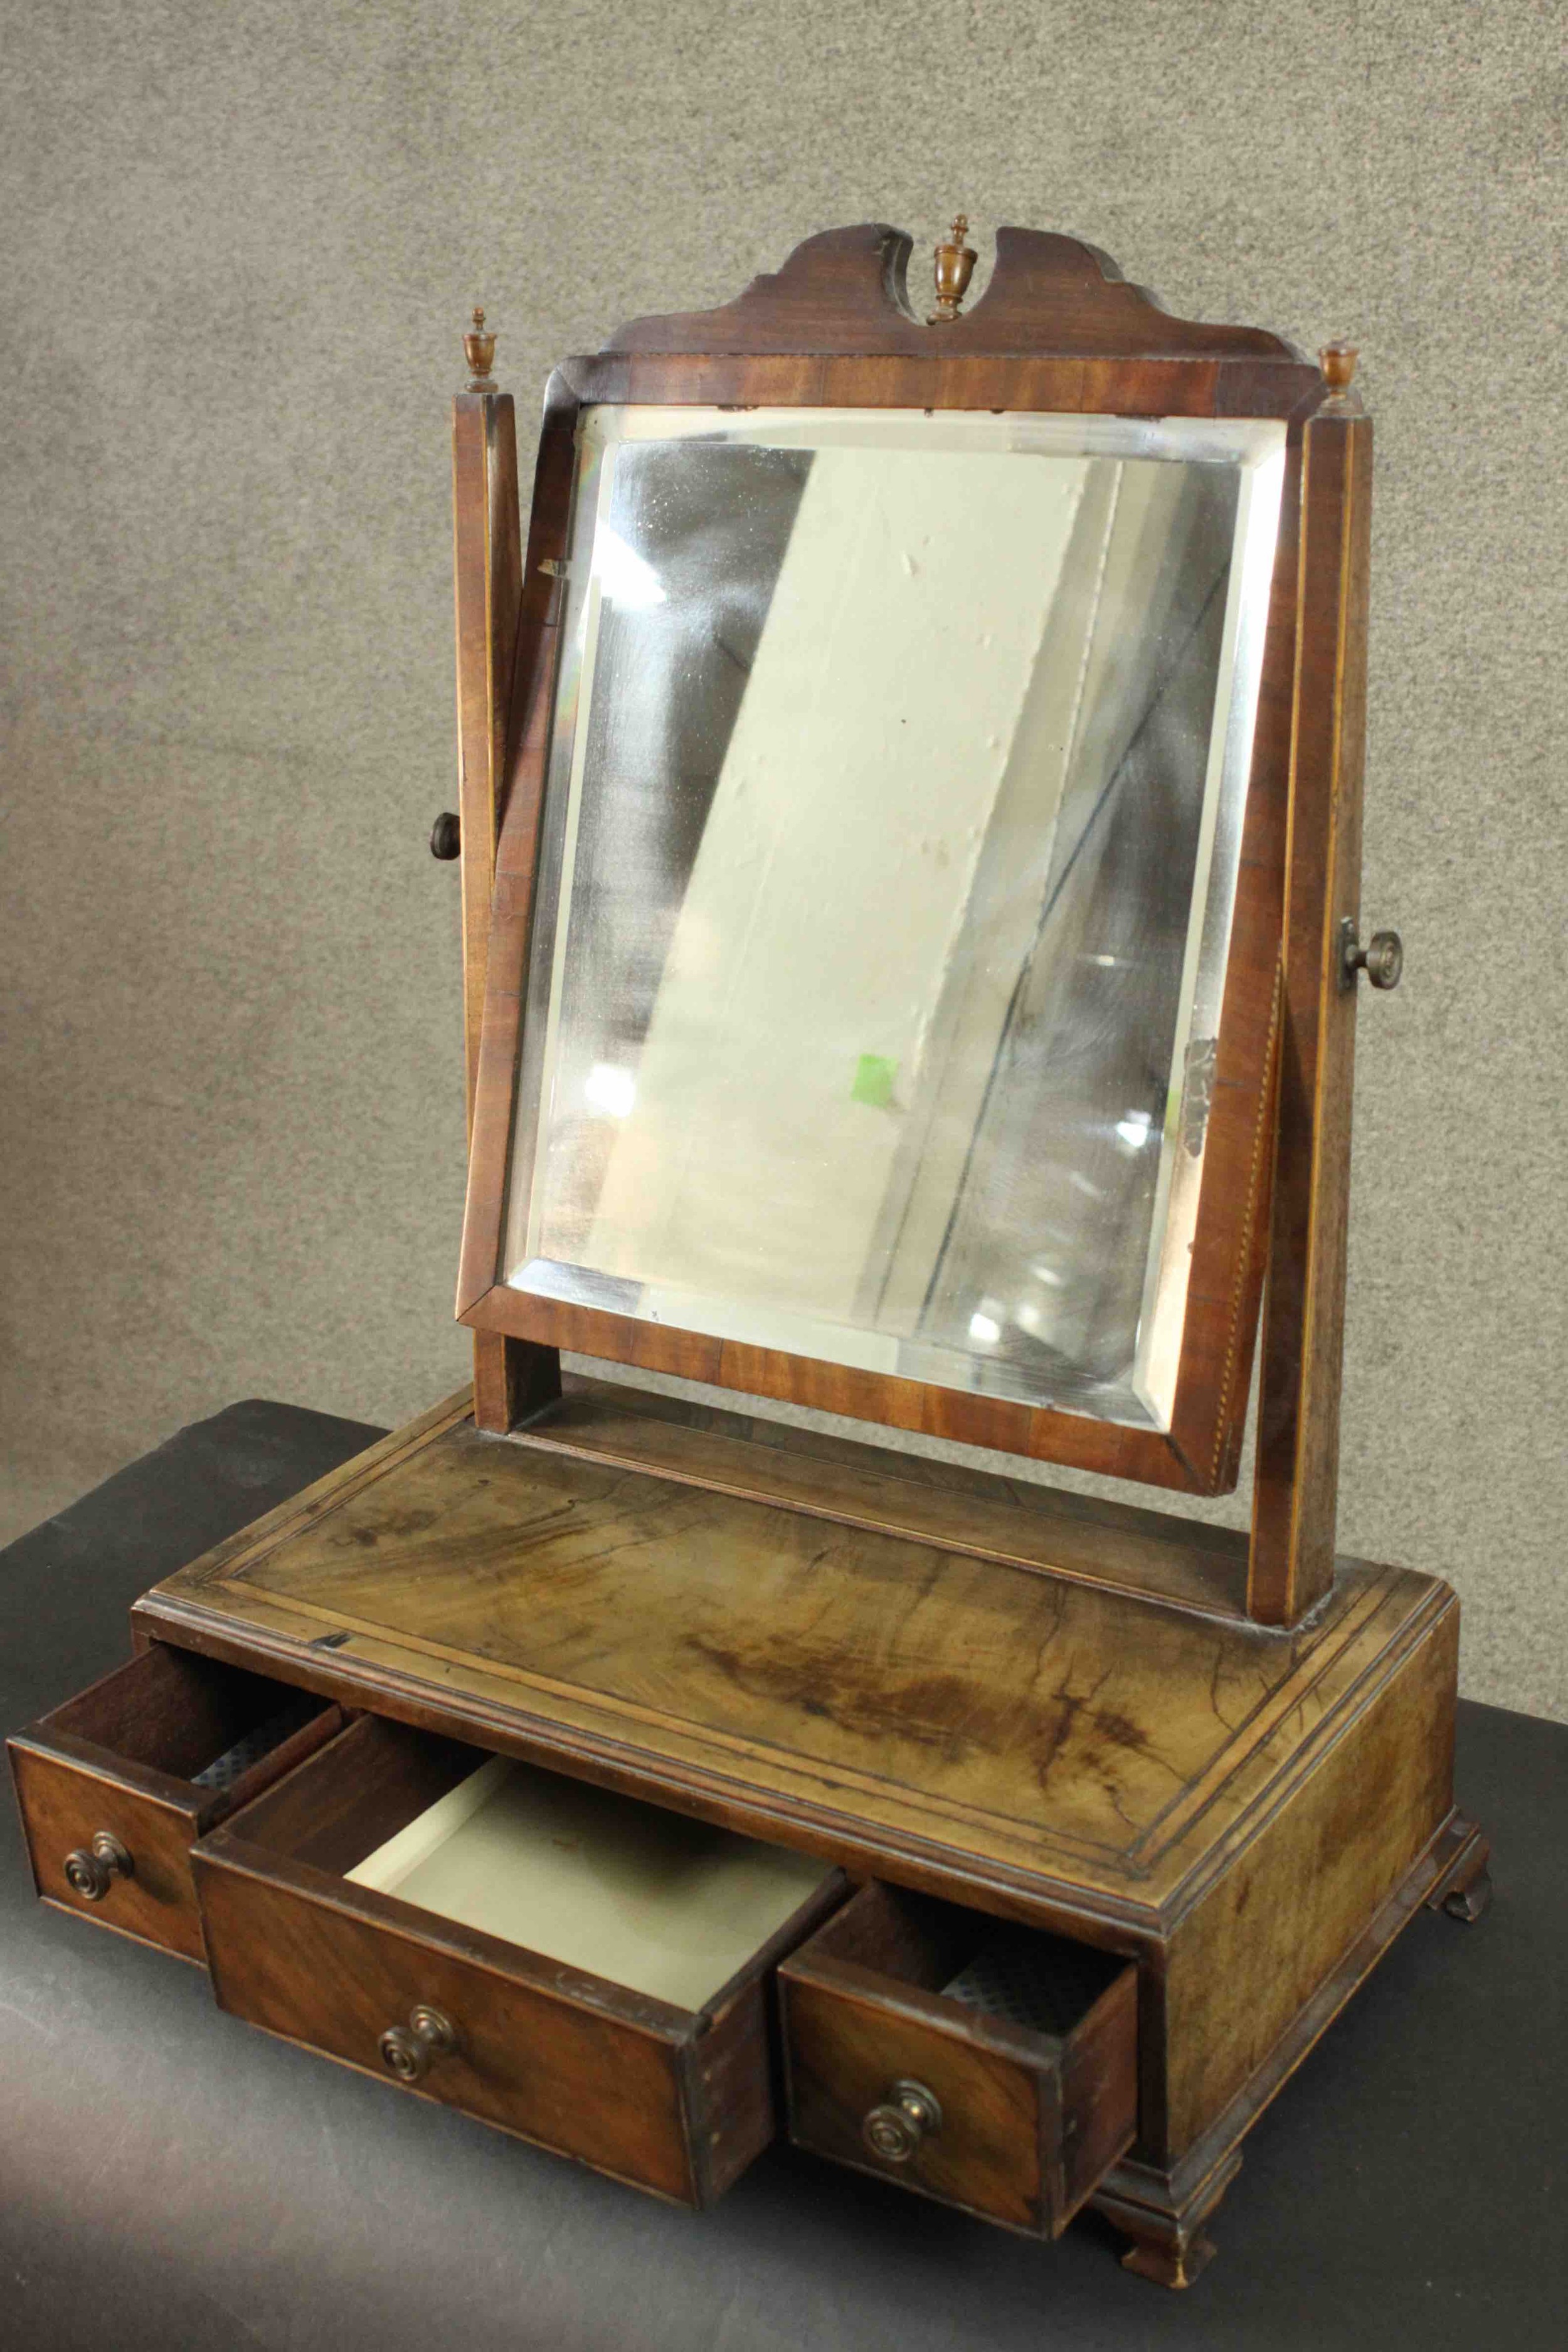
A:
[535,2064]
[544,2065]
[324,1923]
[887,2071]
[67,1803]
[845,2054]
[110,1807]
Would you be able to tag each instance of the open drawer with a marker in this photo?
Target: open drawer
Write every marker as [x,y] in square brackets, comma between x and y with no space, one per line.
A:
[116,1786]
[991,2066]
[580,1968]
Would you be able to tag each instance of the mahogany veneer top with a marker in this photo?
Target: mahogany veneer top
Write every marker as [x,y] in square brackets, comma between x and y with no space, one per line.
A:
[860,1693]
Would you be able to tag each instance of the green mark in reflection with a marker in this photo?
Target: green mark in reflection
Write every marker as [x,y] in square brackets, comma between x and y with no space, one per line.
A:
[873,1081]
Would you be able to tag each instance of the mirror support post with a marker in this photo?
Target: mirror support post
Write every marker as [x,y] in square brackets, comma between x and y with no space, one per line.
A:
[1295,1492]
[511,1377]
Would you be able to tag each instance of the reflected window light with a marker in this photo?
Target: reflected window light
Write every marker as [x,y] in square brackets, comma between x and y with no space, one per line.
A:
[625,579]
[1133,1132]
[985,1328]
[610,1089]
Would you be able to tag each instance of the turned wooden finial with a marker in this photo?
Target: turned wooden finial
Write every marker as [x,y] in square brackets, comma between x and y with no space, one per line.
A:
[480,350]
[955,262]
[1338,360]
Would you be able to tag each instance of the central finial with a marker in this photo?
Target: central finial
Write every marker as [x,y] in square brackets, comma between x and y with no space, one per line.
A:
[480,350]
[955,263]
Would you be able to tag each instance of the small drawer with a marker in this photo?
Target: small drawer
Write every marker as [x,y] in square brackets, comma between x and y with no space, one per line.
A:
[116,1786]
[990,2066]
[585,1970]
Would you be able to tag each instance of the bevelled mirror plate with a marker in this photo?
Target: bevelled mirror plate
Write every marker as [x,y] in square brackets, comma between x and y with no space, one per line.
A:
[889,856]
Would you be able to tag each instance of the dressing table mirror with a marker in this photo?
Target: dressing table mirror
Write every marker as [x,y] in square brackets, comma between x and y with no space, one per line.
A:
[909,837]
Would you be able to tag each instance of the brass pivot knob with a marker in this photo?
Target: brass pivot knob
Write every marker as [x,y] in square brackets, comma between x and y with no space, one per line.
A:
[410,2051]
[1382,959]
[92,1869]
[909,2115]
[445,837]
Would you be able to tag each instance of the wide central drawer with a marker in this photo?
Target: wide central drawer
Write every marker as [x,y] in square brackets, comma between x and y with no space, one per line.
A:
[578,1967]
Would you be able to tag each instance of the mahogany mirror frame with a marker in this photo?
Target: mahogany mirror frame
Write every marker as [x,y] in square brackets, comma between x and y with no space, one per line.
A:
[1055,330]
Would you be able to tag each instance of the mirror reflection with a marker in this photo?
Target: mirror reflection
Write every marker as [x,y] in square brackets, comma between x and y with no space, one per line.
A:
[889,853]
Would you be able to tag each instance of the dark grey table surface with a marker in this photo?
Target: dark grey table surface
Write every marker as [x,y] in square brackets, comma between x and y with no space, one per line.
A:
[172,2179]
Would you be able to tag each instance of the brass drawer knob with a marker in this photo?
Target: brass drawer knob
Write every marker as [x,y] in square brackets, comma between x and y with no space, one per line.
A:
[92,1869]
[410,2051]
[909,2115]
[1382,959]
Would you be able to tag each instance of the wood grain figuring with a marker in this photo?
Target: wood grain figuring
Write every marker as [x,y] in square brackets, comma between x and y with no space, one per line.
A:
[911,1723]
[486,568]
[1094,387]
[1164,2208]
[513,1375]
[846,2048]
[1029,2121]
[286,1956]
[846,291]
[66,1800]
[1280,1917]
[1296,1488]
[495,1095]
[895,1706]
[991,1518]
[513,1380]
[1056,329]
[119,1758]
[508,1376]
[998,1425]
[1099,2090]
[675,2101]
[377,1778]
[730,2082]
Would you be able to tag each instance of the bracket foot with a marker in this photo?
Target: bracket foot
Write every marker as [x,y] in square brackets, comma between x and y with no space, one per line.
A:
[1168,2229]
[1472,1901]
[1464,1892]
[1169,2262]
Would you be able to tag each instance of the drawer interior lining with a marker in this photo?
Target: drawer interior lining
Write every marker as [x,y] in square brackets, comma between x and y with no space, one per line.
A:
[296,1708]
[1021,1977]
[651,1901]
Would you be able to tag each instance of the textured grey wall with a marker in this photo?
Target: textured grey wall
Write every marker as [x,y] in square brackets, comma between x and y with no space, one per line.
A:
[241,247]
